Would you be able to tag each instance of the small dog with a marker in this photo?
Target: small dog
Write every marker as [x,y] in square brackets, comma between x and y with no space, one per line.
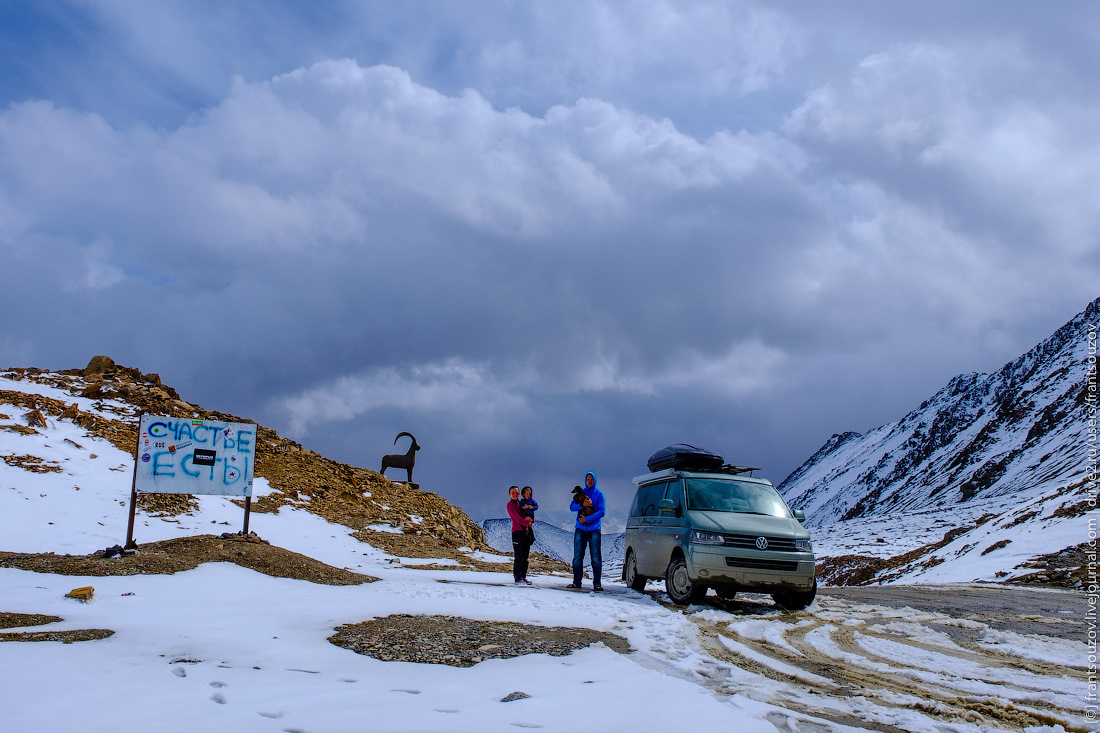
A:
[578,498]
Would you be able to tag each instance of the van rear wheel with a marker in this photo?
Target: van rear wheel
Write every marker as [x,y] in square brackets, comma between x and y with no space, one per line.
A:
[630,573]
[679,587]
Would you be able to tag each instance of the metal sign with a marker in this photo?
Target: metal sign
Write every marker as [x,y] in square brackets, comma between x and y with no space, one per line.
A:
[185,456]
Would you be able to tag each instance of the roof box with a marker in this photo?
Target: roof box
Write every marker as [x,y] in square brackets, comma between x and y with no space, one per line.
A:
[685,457]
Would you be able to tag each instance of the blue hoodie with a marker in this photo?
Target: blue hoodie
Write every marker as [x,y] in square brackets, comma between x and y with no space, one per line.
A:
[593,523]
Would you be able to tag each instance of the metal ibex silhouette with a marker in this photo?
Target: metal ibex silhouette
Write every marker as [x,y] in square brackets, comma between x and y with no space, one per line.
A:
[402,460]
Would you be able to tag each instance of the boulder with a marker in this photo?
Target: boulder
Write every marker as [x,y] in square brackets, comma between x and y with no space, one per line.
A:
[99,365]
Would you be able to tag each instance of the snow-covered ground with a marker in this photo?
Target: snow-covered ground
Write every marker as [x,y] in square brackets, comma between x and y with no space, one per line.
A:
[1005,532]
[222,647]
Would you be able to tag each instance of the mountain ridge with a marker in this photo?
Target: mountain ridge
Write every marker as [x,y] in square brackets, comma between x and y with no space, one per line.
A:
[986,451]
[980,435]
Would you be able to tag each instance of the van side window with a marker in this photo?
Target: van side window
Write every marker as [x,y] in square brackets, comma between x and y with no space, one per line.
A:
[645,501]
[676,495]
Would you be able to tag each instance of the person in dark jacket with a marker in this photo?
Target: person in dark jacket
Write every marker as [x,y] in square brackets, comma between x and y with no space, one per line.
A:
[587,532]
[522,537]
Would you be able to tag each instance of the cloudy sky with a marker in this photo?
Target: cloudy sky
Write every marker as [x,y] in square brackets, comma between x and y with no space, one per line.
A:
[547,237]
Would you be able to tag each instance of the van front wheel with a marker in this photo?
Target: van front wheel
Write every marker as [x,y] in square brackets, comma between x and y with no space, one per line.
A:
[679,587]
[630,573]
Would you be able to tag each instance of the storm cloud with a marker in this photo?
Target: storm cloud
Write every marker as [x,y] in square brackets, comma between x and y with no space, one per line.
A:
[547,239]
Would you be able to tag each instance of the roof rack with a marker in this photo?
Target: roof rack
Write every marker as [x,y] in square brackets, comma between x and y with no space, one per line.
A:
[734,470]
[726,468]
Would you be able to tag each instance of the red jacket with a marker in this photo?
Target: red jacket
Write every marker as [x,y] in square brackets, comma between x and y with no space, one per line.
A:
[519,522]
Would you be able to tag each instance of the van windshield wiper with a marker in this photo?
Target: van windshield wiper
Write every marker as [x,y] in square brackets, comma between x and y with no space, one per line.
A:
[732,511]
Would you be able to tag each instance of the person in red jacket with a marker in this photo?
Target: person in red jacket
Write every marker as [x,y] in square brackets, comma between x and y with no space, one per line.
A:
[522,537]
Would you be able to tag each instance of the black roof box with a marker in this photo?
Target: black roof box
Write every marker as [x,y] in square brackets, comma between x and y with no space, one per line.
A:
[684,457]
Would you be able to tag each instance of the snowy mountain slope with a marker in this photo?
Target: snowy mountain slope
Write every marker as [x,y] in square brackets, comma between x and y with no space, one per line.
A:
[557,543]
[1012,444]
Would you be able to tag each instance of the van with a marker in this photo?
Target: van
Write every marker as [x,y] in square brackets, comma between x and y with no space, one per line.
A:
[717,529]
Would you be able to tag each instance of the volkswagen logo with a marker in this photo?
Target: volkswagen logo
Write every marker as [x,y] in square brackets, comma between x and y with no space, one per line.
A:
[761,543]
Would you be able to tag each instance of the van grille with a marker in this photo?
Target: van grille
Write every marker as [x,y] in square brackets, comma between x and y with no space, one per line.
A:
[748,542]
[739,562]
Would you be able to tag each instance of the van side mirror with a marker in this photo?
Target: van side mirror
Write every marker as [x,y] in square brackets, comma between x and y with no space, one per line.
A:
[666,506]
[800,515]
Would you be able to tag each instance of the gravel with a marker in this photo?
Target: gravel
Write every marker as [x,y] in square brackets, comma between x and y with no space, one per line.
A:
[462,642]
[9,620]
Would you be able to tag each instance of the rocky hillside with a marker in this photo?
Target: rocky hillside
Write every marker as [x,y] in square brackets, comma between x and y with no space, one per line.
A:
[393,517]
[990,451]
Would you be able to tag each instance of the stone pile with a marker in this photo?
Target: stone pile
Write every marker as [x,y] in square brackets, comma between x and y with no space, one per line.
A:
[462,642]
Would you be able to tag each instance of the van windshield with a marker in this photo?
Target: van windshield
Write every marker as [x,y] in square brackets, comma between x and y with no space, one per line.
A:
[721,495]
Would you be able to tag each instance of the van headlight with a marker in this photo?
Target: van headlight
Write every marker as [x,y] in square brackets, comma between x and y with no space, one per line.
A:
[803,546]
[706,538]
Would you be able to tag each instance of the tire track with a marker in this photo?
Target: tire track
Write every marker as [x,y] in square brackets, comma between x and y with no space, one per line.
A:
[966,706]
[816,701]
[847,664]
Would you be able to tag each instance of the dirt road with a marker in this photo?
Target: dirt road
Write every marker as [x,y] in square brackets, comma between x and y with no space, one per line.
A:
[906,657]
[1050,612]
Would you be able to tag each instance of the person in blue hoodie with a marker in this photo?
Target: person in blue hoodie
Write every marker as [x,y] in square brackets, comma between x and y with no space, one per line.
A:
[527,504]
[590,511]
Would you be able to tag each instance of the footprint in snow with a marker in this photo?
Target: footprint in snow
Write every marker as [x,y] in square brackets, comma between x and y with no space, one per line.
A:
[218,698]
[179,671]
[411,692]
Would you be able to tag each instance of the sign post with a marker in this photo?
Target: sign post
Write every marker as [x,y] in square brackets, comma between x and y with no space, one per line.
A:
[191,456]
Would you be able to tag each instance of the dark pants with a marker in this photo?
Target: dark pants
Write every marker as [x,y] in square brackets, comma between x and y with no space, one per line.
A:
[522,539]
[591,538]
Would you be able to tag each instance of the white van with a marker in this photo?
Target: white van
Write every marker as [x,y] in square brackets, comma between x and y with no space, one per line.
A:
[717,529]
